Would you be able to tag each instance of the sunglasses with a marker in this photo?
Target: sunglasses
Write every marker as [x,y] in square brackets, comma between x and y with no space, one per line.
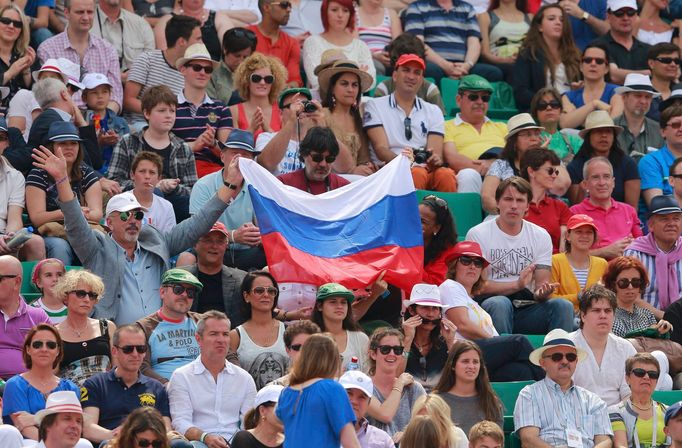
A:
[552,171]
[598,61]
[386,349]
[675,124]
[466,261]
[554,104]
[668,60]
[144,443]
[260,290]
[622,12]
[317,158]
[558,357]
[475,96]
[283,5]
[3,137]
[639,373]
[676,176]
[125,216]
[296,347]
[52,345]
[256,78]
[81,294]
[179,289]
[623,283]
[408,128]
[431,321]
[208,69]
[15,23]
[440,202]
[128,349]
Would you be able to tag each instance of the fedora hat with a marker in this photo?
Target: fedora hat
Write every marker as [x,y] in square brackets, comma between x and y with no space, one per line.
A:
[663,205]
[57,402]
[521,122]
[51,65]
[424,295]
[599,119]
[555,338]
[328,58]
[196,52]
[343,66]
[636,82]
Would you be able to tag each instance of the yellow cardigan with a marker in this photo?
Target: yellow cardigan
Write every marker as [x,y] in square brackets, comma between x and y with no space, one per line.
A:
[562,273]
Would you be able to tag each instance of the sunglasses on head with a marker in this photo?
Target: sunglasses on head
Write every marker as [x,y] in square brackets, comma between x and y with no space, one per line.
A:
[669,60]
[558,357]
[623,283]
[625,11]
[256,78]
[242,33]
[128,349]
[81,294]
[296,347]
[137,214]
[589,60]
[15,23]
[440,202]
[179,289]
[260,290]
[475,96]
[144,443]
[552,171]
[52,345]
[317,158]
[208,69]
[639,373]
[554,104]
[408,128]
[283,5]
[465,260]
[386,349]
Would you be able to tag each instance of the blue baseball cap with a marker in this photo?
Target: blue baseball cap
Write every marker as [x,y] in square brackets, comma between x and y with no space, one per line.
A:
[672,411]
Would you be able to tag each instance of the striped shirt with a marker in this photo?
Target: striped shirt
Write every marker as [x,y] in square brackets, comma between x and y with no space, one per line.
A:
[545,406]
[56,316]
[376,37]
[191,121]
[649,261]
[581,276]
[445,31]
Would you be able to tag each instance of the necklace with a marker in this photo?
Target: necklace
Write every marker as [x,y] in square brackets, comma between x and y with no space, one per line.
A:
[75,330]
[642,408]
[421,347]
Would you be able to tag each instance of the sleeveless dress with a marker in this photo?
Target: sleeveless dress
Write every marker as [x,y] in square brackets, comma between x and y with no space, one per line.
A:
[85,358]
[265,364]
[376,37]
[243,121]
[506,37]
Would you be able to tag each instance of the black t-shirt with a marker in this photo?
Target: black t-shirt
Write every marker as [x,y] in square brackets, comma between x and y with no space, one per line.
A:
[211,297]
[165,155]
[244,439]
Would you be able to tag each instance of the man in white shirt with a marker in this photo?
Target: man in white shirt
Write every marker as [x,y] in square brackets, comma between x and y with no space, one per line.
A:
[603,371]
[520,256]
[210,396]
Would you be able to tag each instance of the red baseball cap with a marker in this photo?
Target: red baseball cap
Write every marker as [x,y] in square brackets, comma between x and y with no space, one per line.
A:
[410,57]
[219,227]
[580,220]
[469,249]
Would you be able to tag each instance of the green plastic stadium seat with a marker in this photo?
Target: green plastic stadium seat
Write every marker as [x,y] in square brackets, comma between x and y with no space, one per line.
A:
[536,340]
[26,285]
[448,90]
[465,208]
[668,397]
[508,392]
[380,78]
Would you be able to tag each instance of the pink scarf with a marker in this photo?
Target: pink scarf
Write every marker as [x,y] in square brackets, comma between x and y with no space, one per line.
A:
[667,283]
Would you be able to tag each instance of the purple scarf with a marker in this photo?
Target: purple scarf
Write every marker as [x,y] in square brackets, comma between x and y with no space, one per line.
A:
[667,283]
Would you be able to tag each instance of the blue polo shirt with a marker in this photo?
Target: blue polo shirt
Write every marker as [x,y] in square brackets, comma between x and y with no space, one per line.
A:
[654,169]
[108,393]
[445,31]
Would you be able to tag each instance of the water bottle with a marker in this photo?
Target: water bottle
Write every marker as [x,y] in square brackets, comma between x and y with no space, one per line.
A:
[20,237]
[353,364]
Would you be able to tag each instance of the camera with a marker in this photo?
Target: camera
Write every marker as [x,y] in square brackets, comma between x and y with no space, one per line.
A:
[309,107]
[421,155]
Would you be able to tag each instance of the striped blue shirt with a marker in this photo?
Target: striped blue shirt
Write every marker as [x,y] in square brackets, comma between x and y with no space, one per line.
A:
[445,31]
[649,261]
[545,406]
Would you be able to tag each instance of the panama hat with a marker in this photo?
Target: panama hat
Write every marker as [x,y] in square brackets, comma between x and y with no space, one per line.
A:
[555,338]
[196,52]
[599,119]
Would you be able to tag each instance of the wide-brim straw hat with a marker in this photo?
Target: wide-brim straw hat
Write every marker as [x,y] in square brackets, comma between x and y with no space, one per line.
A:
[196,52]
[521,122]
[555,338]
[599,119]
[343,66]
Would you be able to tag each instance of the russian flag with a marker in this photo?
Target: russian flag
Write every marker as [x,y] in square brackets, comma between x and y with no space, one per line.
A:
[348,235]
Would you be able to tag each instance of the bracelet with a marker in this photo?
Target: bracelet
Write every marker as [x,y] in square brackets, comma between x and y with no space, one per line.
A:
[397,389]
[62,180]
[203,437]
[232,237]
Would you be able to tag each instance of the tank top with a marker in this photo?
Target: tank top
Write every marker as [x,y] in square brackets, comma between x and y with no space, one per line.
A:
[85,358]
[653,38]
[209,35]
[243,121]
[505,36]
[376,37]
[265,364]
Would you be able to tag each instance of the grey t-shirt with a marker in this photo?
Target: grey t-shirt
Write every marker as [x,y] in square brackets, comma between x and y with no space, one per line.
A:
[402,416]
[465,411]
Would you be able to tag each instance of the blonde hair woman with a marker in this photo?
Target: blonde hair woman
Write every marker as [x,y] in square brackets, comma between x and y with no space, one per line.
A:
[438,411]
[16,56]
[422,432]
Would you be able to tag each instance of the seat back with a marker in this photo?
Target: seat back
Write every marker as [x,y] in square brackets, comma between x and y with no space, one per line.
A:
[465,208]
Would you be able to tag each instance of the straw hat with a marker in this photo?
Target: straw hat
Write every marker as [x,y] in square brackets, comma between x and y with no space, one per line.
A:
[328,58]
[343,66]
[57,402]
[555,338]
[196,52]
[521,122]
[597,120]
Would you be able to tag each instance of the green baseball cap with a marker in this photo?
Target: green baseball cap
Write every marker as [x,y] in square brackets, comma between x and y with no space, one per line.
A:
[301,90]
[175,276]
[329,290]
[473,83]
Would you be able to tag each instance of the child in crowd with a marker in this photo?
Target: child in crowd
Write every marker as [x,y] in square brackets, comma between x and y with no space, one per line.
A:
[486,434]
[109,126]
[46,273]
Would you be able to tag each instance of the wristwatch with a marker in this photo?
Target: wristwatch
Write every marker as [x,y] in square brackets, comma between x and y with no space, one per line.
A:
[230,186]
[585,17]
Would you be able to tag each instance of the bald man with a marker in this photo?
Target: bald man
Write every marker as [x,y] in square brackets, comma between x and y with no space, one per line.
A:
[18,317]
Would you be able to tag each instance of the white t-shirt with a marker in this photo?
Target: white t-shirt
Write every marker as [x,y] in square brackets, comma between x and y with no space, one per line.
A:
[12,191]
[22,104]
[161,215]
[510,254]
[453,295]
[290,162]
[234,5]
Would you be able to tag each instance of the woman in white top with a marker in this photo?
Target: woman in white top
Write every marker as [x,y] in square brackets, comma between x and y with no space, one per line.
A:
[338,18]
[259,342]
[332,314]
[650,28]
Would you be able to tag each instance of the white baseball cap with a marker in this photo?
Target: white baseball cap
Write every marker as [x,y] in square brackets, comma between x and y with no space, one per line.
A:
[355,379]
[123,202]
[93,80]
[615,5]
[268,394]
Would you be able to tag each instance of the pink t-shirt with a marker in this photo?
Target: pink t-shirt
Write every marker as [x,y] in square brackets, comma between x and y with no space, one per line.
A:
[619,221]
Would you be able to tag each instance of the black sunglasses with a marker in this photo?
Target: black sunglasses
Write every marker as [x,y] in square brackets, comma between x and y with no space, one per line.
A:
[137,214]
[256,78]
[317,158]
[408,128]
[208,69]
[386,349]
[676,176]
[668,60]
[625,11]
[52,345]
[639,373]
[558,357]
[128,349]
[440,202]
[598,61]
[552,171]
[296,347]
[283,5]
[15,23]
[179,289]
[554,104]
[144,443]
[260,290]
[81,294]
[623,283]
[466,261]
[241,33]
[476,96]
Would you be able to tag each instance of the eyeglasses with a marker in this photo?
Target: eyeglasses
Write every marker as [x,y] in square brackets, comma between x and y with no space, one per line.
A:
[639,373]
[475,96]
[466,261]
[386,349]
[179,289]
[241,33]
[669,60]
[317,158]
[598,61]
[15,23]
[408,128]
[552,171]
[2,277]
[675,124]
[296,347]
[52,345]
[623,283]
[558,357]
[128,349]
[81,294]
[554,104]
[260,290]
[283,5]
[256,78]
[440,202]
[621,12]
[208,69]
[137,214]
[144,443]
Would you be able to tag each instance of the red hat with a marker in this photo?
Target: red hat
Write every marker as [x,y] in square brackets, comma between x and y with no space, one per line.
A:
[219,227]
[469,249]
[580,220]
[410,57]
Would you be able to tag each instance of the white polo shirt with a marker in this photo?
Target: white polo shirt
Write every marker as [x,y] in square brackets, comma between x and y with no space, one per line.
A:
[425,119]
